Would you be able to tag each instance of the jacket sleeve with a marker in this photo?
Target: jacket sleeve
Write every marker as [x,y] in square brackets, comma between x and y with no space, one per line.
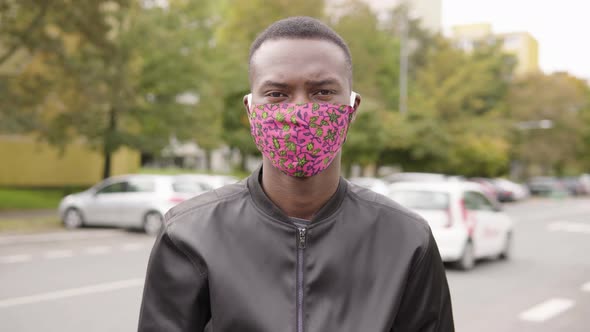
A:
[176,295]
[426,303]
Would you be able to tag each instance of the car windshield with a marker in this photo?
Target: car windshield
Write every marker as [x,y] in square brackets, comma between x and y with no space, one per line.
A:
[421,199]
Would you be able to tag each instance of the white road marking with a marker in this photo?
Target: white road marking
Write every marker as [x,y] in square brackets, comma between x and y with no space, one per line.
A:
[99,250]
[56,254]
[586,287]
[58,236]
[546,310]
[15,259]
[62,294]
[572,227]
[133,246]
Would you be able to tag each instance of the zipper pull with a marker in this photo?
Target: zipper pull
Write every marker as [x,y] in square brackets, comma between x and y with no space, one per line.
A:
[302,237]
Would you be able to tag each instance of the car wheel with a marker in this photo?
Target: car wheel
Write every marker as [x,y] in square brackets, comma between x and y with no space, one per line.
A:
[507,249]
[467,260]
[152,223]
[73,219]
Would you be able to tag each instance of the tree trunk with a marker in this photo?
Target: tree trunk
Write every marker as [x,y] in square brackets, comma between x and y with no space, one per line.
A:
[108,146]
[106,170]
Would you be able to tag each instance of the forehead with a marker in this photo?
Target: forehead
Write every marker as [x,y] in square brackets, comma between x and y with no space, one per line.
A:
[292,60]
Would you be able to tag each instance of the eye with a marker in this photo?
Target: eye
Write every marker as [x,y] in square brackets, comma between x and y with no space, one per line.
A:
[325,92]
[275,94]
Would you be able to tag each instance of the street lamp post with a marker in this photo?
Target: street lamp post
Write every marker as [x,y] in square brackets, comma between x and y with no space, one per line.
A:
[403,61]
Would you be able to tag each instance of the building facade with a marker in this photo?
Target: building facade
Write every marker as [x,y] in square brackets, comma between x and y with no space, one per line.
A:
[522,45]
[428,11]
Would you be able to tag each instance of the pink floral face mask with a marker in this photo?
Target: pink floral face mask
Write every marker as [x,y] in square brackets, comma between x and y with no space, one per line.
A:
[301,140]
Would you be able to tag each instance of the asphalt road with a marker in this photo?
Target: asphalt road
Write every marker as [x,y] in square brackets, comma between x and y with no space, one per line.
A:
[91,280]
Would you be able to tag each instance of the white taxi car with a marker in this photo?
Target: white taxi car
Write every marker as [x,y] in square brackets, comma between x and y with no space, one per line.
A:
[466,224]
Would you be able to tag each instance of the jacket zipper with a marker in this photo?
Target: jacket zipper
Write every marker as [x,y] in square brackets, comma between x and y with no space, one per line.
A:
[301,243]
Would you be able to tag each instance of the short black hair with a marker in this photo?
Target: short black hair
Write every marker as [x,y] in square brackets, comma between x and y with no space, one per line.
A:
[301,27]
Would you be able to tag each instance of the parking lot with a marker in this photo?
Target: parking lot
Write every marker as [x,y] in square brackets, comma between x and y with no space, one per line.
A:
[91,279]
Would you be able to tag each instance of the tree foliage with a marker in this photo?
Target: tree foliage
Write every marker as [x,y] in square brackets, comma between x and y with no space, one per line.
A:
[136,73]
[104,81]
[561,99]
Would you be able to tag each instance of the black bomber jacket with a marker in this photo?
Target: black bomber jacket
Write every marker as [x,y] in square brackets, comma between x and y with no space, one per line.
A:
[231,261]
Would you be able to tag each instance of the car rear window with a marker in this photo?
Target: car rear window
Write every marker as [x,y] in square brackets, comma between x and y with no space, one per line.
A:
[422,200]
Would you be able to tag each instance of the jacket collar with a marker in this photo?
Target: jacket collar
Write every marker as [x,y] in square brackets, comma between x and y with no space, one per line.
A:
[265,204]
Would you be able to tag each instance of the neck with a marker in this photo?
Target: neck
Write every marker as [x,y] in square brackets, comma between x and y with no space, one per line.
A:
[300,197]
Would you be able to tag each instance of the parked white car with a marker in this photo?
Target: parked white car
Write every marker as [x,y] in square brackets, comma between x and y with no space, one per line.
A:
[211,181]
[421,177]
[377,185]
[131,201]
[511,191]
[466,225]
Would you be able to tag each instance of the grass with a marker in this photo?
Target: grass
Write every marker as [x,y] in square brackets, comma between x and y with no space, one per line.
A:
[29,199]
[29,224]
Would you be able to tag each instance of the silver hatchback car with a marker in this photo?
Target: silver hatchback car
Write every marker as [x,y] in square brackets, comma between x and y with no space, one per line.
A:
[130,201]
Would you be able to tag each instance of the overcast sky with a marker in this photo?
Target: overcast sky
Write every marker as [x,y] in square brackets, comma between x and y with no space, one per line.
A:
[561,27]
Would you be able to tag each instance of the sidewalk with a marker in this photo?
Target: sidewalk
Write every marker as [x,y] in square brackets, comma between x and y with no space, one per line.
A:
[25,214]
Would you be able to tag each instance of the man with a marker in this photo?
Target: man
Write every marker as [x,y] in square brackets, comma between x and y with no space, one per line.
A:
[295,247]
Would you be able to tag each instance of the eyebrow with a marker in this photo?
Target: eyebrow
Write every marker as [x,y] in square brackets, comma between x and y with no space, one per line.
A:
[275,84]
[280,85]
[327,81]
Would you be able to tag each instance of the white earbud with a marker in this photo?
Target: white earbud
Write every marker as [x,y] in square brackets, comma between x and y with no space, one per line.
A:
[352,98]
[249,98]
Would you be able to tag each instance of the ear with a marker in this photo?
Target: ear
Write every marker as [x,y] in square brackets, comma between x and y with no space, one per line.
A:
[355,101]
[247,101]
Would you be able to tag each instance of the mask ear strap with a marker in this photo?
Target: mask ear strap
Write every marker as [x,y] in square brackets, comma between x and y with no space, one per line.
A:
[249,99]
[352,98]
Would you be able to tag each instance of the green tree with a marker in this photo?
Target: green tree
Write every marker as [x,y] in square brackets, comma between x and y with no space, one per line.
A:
[563,100]
[455,106]
[375,77]
[113,72]
[584,150]
[28,39]
[178,75]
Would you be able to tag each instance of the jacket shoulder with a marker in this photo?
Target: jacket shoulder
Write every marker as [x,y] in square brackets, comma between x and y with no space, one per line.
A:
[206,199]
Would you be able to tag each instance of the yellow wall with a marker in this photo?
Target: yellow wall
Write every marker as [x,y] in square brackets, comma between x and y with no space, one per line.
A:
[533,54]
[526,51]
[522,45]
[24,162]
